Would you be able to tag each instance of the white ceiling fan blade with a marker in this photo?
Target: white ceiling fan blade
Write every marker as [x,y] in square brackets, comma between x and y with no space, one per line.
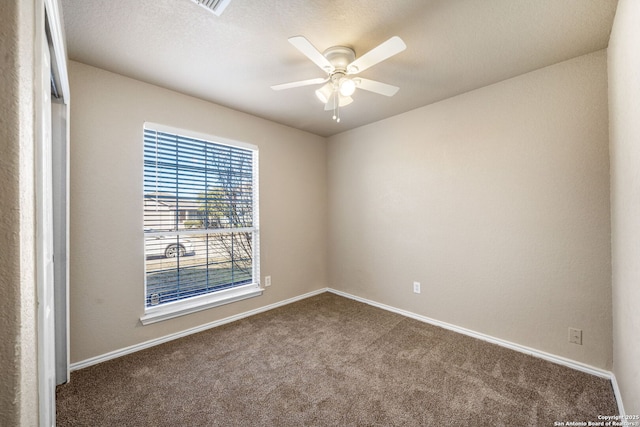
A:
[378,54]
[309,50]
[300,83]
[376,87]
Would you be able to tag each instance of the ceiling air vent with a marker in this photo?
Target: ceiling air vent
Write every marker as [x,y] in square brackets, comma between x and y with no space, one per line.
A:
[215,6]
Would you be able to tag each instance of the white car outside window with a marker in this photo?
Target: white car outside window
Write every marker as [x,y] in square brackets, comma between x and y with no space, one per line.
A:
[168,246]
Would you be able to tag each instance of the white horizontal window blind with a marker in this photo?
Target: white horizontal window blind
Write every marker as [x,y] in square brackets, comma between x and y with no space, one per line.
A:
[200,216]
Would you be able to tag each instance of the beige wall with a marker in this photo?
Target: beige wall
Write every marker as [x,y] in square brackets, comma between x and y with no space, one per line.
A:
[106,264]
[624,135]
[497,201]
[18,346]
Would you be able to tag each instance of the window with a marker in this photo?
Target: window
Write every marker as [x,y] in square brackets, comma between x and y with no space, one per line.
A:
[200,222]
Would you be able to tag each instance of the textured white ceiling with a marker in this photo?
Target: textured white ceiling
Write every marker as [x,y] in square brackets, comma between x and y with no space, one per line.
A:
[453,46]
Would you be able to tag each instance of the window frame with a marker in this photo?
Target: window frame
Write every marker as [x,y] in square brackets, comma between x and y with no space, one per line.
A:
[153,314]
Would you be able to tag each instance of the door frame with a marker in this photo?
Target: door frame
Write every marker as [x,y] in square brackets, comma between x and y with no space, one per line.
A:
[52,205]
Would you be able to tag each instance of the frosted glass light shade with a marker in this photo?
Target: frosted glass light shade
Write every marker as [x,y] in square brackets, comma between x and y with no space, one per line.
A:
[324,93]
[347,87]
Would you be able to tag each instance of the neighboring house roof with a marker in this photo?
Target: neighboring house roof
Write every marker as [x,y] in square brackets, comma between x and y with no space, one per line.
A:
[169,201]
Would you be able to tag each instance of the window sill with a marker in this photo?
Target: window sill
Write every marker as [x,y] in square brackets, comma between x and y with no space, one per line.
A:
[192,305]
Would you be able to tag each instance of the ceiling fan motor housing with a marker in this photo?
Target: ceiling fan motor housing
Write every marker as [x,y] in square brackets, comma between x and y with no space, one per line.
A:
[340,57]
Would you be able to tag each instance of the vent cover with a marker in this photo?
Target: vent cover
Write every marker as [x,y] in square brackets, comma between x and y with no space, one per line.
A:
[215,6]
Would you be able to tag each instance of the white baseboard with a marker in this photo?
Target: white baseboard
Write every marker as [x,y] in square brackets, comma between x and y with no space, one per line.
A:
[137,347]
[488,338]
[616,392]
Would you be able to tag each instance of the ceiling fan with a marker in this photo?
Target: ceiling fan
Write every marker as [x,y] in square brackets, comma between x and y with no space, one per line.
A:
[341,66]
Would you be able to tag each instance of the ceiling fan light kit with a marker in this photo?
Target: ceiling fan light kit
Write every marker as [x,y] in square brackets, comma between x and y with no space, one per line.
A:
[340,63]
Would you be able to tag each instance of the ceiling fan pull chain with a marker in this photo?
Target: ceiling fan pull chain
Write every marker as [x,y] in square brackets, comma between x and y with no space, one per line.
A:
[334,107]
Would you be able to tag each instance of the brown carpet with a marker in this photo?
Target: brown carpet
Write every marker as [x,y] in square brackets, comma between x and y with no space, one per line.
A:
[330,361]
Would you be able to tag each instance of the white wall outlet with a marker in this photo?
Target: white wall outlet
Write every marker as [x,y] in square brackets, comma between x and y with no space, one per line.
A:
[416,287]
[267,281]
[575,336]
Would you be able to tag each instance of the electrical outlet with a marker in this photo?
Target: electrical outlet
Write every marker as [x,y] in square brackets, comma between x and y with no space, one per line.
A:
[267,280]
[416,287]
[575,336]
